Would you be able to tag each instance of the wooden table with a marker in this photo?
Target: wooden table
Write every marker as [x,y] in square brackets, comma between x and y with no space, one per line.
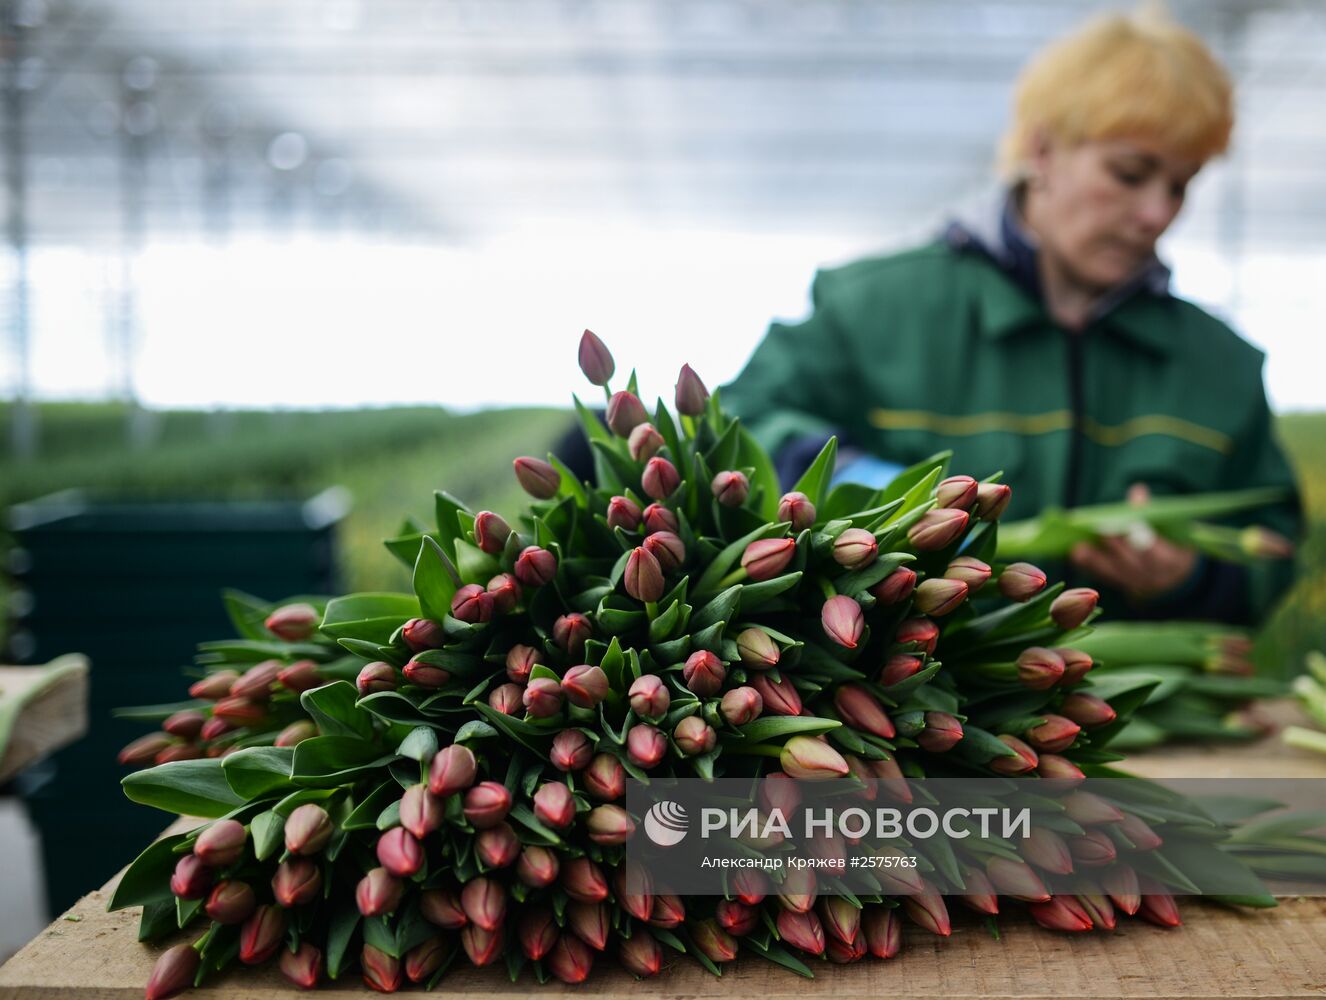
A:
[88,953]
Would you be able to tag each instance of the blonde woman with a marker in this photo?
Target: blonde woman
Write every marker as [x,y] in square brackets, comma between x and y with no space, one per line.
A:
[1042,337]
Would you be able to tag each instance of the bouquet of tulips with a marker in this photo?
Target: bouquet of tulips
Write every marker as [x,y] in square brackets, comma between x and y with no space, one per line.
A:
[396,782]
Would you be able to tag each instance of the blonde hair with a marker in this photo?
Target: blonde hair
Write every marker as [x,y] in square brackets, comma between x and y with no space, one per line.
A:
[1122,75]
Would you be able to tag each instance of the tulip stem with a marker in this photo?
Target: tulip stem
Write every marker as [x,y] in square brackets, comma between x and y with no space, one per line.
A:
[607,392]
[826,587]
[651,609]
[733,578]
[758,750]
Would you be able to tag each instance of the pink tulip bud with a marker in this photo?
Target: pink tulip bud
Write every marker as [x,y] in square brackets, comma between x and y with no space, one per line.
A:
[883,932]
[380,971]
[633,889]
[1016,879]
[1024,762]
[505,591]
[939,596]
[899,668]
[1139,834]
[694,736]
[297,881]
[491,532]
[399,852]
[927,910]
[537,932]
[730,488]
[644,442]
[307,829]
[609,825]
[649,696]
[767,558]
[1087,710]
[643,578]
[1088,809]
[660,478]
[1060,769]
[571,750]
[669,911]
[1047,851]
[979,893]
[691,394]
[605,778]
[921,631]
[214,729]
[472,603]
[802,930]
[808,759]
[645,746]
[213,686]
[497,847]
[238,712]
[453,769]
[736,918]
[779,697]
[842,621]
[595,359]
[624,513]
[293,623]
[1054,734]
[1073,607]
[957,491]
[1124,889]
[221,844]
[186,725]
[554,805]
[231,902]
[861,710]
[659,518]
[970,571]
[585,686]
[261,935]
[1039,669]
[667,548]
[1062,913]
[704,673]
[796,509]
[420,634]
[520,660]
[757,650]
[896,587]
[535,566]
[584,881]
[376,676]
[1076,665]
[570,959]
[855,548]
[570,632]
[191,878]
[300,676]
[537,477]
[481,947]
[1021,581]
[992,500]
[441,908]
[424,959]
[714,943]
[425,675]
[938,529]
[1093,849]
[779,792]
[537,867]
[303,967]
[542,697]
[173,972]
[641,955]
[840,919]
[741,706]
[178,751]
[486,804]
[625,413]
[378,892]
[942,732]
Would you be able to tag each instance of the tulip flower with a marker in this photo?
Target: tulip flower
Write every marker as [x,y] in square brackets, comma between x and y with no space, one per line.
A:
[941,733]
[486,804]
[173,972]
[441,908]
[1076,665]
[1047,851]
[1054,734]
[605,778]
[1139,834]
[472,603]
[978,892]
[1088,809]
[542,697]
[424,959]
[641,955]
[571,750]
[644,442]
[802,930]
[380,971]
[691,395]
[854,548]
[1023,761]
[595,359]
[535,566]
[520,660]
[1021,581]
[939,596]
[481,947]
[296,733]
[191,878]
[1062,913]
[213,686]
[570,959]
[1099,910]
[992,500]
[669,911]
[1092,849]
[554,805]
[421,634]
[659,518]
[537,932]
[842,621]
[970,571]
[645,746]
[378,892]
[231,902]
[1073,607]
[921,631]
[584,881]
[633,888]
[779,697]
[376,676]
[694,736]
[491,532]
[297,881]
[730,488]
[1087,710]
[643,577]
[303,967]
[505,591]
[796,509]
[537,478]
[767,558]
[714,943]
[704,673]
[895,588]
[741,705]
[399,852]
[221,844]
[625,413]
[307,829]
[609,825]
[570,631]
[261,935]
[214,729]
[660,478]
[899,668]
[1124,889]
[809,759]
[239,712]
[649,696]
[591,922]
[1059,769]
[1016,879]
[425,675]
[738,919]
[667,548]
[927,910]
[624,513]
[959,492]
[453,769]
[1039,669]
[937,529]
[861,710]
[537,867]
[883,932]
[757,650]
[484,901]
[585,686]
[186,725]
[293,623]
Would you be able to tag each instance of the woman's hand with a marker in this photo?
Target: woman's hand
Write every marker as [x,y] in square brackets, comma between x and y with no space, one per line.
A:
[1141,571]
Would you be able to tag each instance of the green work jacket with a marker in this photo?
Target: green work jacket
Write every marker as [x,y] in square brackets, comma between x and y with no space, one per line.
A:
[934,349]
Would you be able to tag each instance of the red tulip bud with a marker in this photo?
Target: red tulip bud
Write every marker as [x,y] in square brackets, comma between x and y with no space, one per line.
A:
[992,500]
[1016,879]
[796,509]
[231,902]
[605,778]
[505,591]
[1062,913]
[808,759]
[256,682]
[1076,665]
[293,623]
[842,621]
[714,943]
[643,578]
[537,867]
[779,697]
[649,696]
[302,967]
[927,910]
[376,676]
[1093,849]
[938,529]
[297,881]
[644,442]
[641,954]
[537,932]
[300,676]
[896,587]
[1088,809]
[537,477]
[1021,581]
[768,557]
[704,673]
[420,634]
[585,686]
[571,750]
[899,668]
[645,746]
[979,893]
[497,847]
[213,686]
[261,935]
[191,878]
[178,751]
[570,632]
[861,710]
[221,844]
[554,805]
[520,660]
[595,359]
[590,922]
[1060,769]
[624,513]
[855,548]
[424,959]
[425,675]
[1139,834]
[668,911]
[883,932]
[378,892]
[584,881]
[634,890]
[570,959]
[660,478]
[238,712]
[472,603]
[757,650]
[399,852]
[921,631]
[453,769]
[535,566]
[736,918]
[941,733]
[1047,851]
[441,908]
[957,491]
[667,548]
[1054,734]
[840,919]
[486,804]
[659,518]
[691,394]
[173,972]
[1087,710]
[609,825]
[186,725]
[939,596]
[1073,607]
[802,930]
[491,532]
[625,413]
[214,729]
[741,705]
[1040,669]
[1024,761]
[730,488]
[307,829]
[1122,884]
[543,697]
[694,736]
[380,971]
[481,947]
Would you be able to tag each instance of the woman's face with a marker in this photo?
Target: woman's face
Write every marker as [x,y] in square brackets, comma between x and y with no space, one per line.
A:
[1100,206]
